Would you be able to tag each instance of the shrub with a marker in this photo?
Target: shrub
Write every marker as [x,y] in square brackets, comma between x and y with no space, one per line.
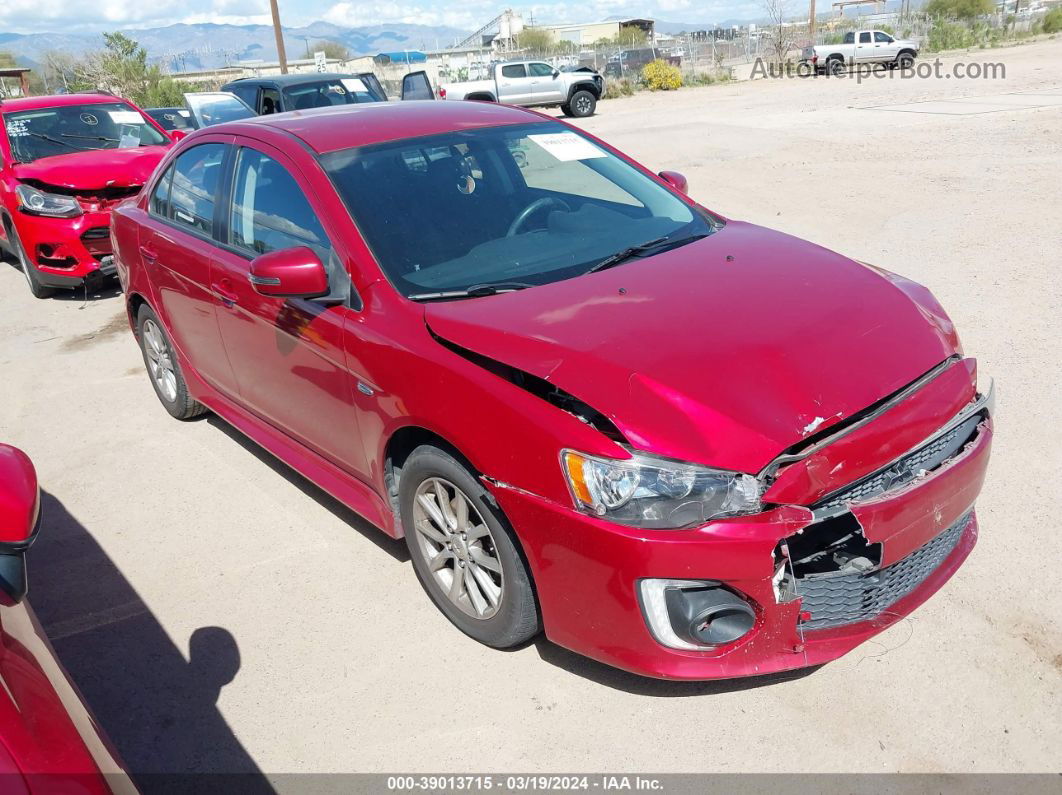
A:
[619,88]
[959,9]
[1052,21]
[661,76]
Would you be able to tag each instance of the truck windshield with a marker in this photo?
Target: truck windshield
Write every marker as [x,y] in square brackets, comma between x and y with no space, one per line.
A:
[45,132]
[323,94]
[527,204]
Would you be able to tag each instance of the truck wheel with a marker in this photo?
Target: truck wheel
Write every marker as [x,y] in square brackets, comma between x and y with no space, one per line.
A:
[37,290]
[905,60]
[834,66]
[581,105]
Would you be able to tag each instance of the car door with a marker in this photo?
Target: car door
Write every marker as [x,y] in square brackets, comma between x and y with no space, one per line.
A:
[864,49]
[885,48]
[547,85]
[177,246]
[514,86]
[417,85]
[287,353]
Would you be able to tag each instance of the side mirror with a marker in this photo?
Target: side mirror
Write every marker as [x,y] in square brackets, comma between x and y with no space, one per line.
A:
[177,135]
[675,180]
[20,505]
[289,273]
[556,74]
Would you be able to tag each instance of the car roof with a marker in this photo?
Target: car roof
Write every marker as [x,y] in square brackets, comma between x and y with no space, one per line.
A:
[57,101]
[297,79]
[346,126]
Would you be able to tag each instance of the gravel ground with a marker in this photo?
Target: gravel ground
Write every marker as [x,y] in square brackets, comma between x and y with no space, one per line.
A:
[220,613]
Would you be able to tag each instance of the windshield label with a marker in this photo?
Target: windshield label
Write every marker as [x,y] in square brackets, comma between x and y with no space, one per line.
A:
[125,117]
[354,85]
[567,146]
[130,138]
[17,128]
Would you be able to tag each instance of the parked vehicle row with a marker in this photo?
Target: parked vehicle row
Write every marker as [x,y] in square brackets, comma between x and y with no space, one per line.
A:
[591,406]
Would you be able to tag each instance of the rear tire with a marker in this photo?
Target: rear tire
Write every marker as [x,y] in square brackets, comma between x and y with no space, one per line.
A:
[834,66]
[466,558]
[581,105]
[37,290]
[164,371]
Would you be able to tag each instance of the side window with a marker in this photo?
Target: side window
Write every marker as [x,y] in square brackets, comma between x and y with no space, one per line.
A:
[248,94]
[160,197]
[514,70]
[541,70]
[849,38]
[882,37]
[864,38]
[270,211]
[194,187]
[270,101]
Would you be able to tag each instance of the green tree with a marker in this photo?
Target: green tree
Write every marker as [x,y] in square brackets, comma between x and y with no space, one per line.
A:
[537,40]
[631,36]
[1053,20]
[332,49]
[123,69]
[959,9]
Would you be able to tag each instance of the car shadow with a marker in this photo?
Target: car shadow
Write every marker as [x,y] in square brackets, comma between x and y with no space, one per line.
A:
[158,708]
[396,548]
[634,684]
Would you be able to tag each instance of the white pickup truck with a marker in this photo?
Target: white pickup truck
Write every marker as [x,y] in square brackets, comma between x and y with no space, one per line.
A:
[533,84]
[861,46]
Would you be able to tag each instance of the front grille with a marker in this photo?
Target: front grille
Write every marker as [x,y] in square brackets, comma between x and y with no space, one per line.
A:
[903,471]
[834,599]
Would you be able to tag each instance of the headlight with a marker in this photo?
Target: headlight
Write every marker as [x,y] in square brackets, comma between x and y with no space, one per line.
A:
[653,492]
[38,202]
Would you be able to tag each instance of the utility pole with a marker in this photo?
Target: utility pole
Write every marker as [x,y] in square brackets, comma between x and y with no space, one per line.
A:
[281,57]
[811,23]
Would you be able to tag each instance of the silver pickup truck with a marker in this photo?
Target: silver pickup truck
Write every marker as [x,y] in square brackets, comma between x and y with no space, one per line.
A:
[533,84]
[860,46]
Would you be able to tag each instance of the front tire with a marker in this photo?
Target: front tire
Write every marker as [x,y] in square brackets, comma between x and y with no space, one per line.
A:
[581,105]
[163,368]
[37,290]
[464,552]
[905,60]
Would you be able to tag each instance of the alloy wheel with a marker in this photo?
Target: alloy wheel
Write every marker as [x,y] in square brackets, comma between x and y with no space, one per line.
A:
[582,104]
[160,361]
[458,547]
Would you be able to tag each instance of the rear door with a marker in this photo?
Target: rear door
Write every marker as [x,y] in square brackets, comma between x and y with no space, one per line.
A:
[177,245]
[514,86]
[547,84]
[416,85]
[287,354]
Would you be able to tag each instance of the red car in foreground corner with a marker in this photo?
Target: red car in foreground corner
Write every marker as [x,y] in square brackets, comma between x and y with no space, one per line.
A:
[682,445]
[65,162]
[49,741]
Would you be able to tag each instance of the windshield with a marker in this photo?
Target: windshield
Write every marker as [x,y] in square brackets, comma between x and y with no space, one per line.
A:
[532,204]
[323,94]
[217,107]
[44,132]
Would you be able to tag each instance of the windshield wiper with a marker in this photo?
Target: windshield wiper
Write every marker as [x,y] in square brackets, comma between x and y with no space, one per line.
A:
[642,248]
[475,291]
[44,137]
[88,137]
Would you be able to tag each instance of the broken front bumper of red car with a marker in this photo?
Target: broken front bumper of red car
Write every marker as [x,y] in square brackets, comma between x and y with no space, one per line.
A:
[797,585]
[68,252]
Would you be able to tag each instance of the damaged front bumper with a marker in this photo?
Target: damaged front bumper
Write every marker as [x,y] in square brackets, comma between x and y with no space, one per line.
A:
[68,252]
[821,577]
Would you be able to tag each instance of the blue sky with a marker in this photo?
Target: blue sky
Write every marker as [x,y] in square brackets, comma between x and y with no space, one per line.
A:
[69,16]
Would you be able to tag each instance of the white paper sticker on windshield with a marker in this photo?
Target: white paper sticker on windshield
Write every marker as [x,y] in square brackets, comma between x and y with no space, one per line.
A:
[568,146]
[130,138]
[125,117]
[354,85]
[185,113]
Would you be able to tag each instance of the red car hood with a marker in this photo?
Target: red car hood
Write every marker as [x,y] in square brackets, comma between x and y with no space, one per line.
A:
[95,170]
[725,352]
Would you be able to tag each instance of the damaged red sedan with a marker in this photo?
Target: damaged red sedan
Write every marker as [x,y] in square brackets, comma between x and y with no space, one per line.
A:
[65,162]
[683,445]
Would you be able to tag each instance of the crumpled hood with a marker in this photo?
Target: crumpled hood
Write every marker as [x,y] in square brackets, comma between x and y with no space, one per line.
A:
[95,170]
[726,351]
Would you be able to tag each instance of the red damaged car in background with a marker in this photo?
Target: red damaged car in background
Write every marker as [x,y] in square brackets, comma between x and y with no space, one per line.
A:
[49,742]
[65,162]
[683,445]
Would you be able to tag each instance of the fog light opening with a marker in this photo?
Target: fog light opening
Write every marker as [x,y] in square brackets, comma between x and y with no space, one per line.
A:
[694,614]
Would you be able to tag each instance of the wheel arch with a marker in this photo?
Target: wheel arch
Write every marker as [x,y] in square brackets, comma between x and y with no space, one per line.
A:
[586,85]
[397,449]
[481,96]
[132,309]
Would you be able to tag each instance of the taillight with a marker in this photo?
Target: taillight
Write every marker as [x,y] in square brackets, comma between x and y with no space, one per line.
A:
[442,93]
[814,59]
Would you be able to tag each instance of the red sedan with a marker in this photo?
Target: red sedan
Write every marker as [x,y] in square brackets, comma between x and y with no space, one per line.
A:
[49,741]
[65,162]
[683,445]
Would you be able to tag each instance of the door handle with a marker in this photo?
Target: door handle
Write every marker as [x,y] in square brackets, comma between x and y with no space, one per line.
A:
[148,255]
[224,293]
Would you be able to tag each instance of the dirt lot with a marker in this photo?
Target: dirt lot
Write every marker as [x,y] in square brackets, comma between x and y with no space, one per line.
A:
[220,613]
